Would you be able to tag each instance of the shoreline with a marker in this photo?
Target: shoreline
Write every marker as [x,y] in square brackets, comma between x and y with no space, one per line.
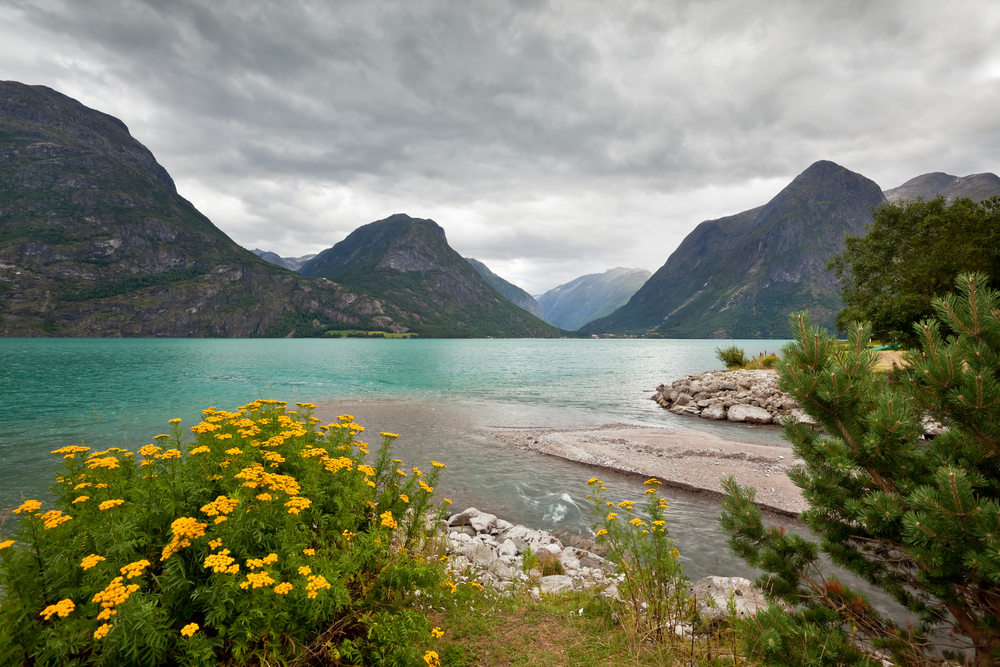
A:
[688,460]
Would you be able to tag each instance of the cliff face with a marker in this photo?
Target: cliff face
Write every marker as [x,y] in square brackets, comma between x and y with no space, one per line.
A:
[95,241]
[740,276]
[590,297]
[407,262]
[510,291]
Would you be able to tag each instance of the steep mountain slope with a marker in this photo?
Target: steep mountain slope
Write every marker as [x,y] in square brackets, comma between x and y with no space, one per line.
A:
[739,276]
[928,186]
[95,241]
[407,262]
[510,291]
[589,297]
[290,263]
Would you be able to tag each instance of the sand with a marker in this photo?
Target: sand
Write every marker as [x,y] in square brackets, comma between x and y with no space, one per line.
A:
[684,459]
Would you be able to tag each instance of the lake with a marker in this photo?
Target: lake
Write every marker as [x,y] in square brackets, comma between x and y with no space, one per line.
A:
[441,396]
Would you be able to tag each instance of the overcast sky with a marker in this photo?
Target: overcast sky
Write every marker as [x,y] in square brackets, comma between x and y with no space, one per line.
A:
[549,139]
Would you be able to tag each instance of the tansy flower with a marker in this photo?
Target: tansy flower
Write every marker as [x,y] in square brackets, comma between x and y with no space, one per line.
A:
[437,633]
[215,544]
[108,504]
[91,560]
[6,543]
[438,465]
[54,518]
[103,631]
[189,629]
[309,552]
[29,506]
[611,516]
[652,480]
[80,499]
[649,491]
[61,608]
[637,522]
[447,501]
[305,570]
[316,584]
[387,520]
[283,588]
[404,497]
[175,420]
[134,569]
[600,532]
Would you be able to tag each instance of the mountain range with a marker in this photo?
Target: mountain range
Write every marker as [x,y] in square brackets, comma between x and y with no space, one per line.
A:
[741,275]
[587,298]
[95,241]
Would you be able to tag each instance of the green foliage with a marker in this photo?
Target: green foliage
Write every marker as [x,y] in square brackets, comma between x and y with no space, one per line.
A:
[918,519]
[777,638]
[655,586]
[129,285]
[732,356]
[267,540]
[911,253]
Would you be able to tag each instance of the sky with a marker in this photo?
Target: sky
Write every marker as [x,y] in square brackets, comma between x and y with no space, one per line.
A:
[550,139]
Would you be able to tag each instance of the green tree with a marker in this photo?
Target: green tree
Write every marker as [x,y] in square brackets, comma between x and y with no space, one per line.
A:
[917,518]
[910,254]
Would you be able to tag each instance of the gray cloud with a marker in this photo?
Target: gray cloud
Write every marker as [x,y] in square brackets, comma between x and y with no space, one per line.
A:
[552,139]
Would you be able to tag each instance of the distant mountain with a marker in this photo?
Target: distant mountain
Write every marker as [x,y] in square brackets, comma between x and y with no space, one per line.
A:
[740,276]
[510,291]
[290,263]
[95,241]
[408,263]
[928,186]
[589,297]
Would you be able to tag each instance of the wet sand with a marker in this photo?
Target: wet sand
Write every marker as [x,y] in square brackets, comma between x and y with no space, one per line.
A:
[684,459]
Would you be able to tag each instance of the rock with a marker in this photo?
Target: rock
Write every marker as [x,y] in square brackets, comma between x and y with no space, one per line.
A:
[479,553]
[483,522]
[556,583]
[508,548]
[463,517]
[800,416]
[503,526]
[683,399]
[715,411]
[748,413]
[712,595]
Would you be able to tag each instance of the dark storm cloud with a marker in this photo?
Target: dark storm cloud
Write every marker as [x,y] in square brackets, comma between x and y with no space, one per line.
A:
[550,138]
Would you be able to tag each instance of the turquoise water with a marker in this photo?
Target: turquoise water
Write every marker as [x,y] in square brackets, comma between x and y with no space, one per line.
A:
[441,396]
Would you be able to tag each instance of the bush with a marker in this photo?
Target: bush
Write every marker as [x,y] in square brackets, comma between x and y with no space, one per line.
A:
[268,539]
[732,356]
[655,588]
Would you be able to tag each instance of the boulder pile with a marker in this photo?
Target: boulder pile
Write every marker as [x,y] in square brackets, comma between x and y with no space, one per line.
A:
[491,551]
[750,397]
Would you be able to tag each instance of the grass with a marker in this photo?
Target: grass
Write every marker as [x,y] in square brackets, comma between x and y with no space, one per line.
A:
[355,333]
[577,628]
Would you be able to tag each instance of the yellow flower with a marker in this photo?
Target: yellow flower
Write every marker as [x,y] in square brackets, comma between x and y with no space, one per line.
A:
[149,450]
[611,516]
[80,499]
[404,497]
[316,584]
[649,491]
[61,608]
[175,420]
[400,472]
[6,543]
[637,522]
[593,480]
[437,633]
[54,518]
[432,659]
[103,631]
[221,505]
[600,532]
[264,497]
[309,552]
[348,535]
[387,520]
[296,504]
[283,589]
[29,506]
[108,504]
[222,563]
[184,530]
[305,570]
[257,580]
[389,435]
[215,544]
[438,465]
[161,436]
[652,480]
[425,487]
[447,501]
[627,504]
[200,450]
[134,569]
[189,629]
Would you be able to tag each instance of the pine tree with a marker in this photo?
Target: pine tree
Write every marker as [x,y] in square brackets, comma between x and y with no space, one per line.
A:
[917,518]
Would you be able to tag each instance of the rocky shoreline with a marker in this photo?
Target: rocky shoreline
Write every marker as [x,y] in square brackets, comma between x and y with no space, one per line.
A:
[744,396]
[487,550]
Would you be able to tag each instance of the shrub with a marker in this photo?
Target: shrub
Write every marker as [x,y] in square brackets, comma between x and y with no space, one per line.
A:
[762,361]
[732,356]
[655,587]
[919,519]
[268,539]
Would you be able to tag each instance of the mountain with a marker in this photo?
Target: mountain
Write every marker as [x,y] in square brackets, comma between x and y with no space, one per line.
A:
[290,263]
[510,291]
[739,276]
[589,297]
[408,263]
[95,241]
[928,186]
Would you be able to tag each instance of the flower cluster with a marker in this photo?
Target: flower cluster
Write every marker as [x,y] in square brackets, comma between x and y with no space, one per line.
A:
[61,608]
[108,504]
[222,563]
[257,580]
[189,629]
[113,595]
[54,518]
[135,569]
[91,560]
[221,505]
[184,530]
[387,520]
[316,584]
[297,503]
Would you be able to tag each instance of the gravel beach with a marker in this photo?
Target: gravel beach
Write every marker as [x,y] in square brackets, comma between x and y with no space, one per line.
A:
[685,459]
